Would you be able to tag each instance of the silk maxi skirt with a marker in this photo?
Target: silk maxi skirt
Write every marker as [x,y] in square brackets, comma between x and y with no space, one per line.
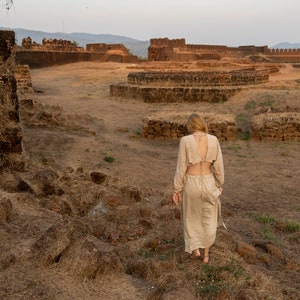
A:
[201,211]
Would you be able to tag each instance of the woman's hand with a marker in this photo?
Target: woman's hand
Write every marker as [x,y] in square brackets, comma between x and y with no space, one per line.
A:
[176,198]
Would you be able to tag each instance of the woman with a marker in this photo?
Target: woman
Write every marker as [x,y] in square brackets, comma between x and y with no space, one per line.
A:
[199,178]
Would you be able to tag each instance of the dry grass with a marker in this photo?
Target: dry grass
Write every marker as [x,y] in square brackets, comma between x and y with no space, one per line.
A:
[133,247]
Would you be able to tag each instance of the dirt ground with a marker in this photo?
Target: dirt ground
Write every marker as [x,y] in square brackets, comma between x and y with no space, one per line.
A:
[76,128]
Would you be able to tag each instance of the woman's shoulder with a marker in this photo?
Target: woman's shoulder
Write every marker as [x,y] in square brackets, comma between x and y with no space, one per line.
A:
[212,138]
[186,138]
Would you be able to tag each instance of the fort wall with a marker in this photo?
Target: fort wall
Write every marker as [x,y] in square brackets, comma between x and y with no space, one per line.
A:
[41,59]
[10,130]
[177,50]
[57,52]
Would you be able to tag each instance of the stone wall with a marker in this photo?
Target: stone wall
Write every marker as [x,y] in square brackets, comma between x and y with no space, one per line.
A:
[173,94]
[50,45]
[104,48]
[41,59]
[57,52]
[186,86]
[198,78]
[174,126]
[177,50]
[10,130]
[276,127]
[24,84]
[113,52]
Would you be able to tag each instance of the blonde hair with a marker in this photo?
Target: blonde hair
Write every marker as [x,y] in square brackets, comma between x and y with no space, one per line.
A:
[196,123]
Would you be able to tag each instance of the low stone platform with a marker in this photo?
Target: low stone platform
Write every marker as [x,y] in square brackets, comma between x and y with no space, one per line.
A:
[274,127]
[186,86]
[168,126]
[173,94]
[198,78]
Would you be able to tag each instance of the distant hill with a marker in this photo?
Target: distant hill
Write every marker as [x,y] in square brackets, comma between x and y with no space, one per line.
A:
[136,47]
[286,45]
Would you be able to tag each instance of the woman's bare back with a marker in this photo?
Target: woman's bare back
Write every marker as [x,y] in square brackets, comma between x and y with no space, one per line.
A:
[203,167]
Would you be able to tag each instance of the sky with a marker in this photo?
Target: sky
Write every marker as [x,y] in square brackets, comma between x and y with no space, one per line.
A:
[214,22]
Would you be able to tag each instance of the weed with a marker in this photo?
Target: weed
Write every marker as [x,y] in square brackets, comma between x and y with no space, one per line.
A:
[267,103]
[109,159]
[87,150]
[235,147]
[145,253]
[250,104]
[265,219]
[168,241]
[209,289]
[164,257]
[292,226]
[211,284]
[266,233]
[137,132]
[243,123]
[31,284]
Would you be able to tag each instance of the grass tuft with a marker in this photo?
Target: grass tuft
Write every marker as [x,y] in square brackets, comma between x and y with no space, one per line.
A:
[109,159]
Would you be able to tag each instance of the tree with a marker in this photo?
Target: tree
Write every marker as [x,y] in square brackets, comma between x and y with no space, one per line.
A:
[7,4]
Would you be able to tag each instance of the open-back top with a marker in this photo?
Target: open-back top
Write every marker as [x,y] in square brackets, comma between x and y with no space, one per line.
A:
[189,155]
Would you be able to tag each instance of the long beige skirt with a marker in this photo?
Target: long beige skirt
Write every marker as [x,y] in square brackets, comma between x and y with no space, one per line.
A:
[201,211]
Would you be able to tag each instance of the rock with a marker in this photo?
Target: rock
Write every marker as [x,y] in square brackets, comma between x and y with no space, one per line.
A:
[5,208]
[89,257]
[98,177]
[53,242]
[274,251]
[45,175]
[247,294]
[6,258]
[23,186]
[245,250]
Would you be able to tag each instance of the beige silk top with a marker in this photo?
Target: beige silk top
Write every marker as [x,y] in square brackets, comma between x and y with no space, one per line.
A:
[189,155]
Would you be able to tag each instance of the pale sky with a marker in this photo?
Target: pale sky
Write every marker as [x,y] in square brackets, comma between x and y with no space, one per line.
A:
[215,22]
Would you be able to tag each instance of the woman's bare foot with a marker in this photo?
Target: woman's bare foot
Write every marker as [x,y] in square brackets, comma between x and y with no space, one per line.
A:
[206,259]
[196,254]
[205,255]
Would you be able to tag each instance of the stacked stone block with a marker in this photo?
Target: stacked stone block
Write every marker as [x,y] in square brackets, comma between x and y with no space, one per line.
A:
[174,127]
[276,127]
[177,50]
[186,86]
[10,130]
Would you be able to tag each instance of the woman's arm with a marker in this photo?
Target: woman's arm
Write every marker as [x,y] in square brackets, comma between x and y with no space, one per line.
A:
[181,167]
[218,167]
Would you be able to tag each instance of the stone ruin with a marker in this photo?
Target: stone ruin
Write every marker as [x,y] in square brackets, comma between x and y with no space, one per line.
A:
[57,52]
[181,85]
[151,86]
[169,126]
[186,86]
[196,86]
[276,127]
[113,52]
[164,49]
[10,130]
[50,45]
[272,127]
